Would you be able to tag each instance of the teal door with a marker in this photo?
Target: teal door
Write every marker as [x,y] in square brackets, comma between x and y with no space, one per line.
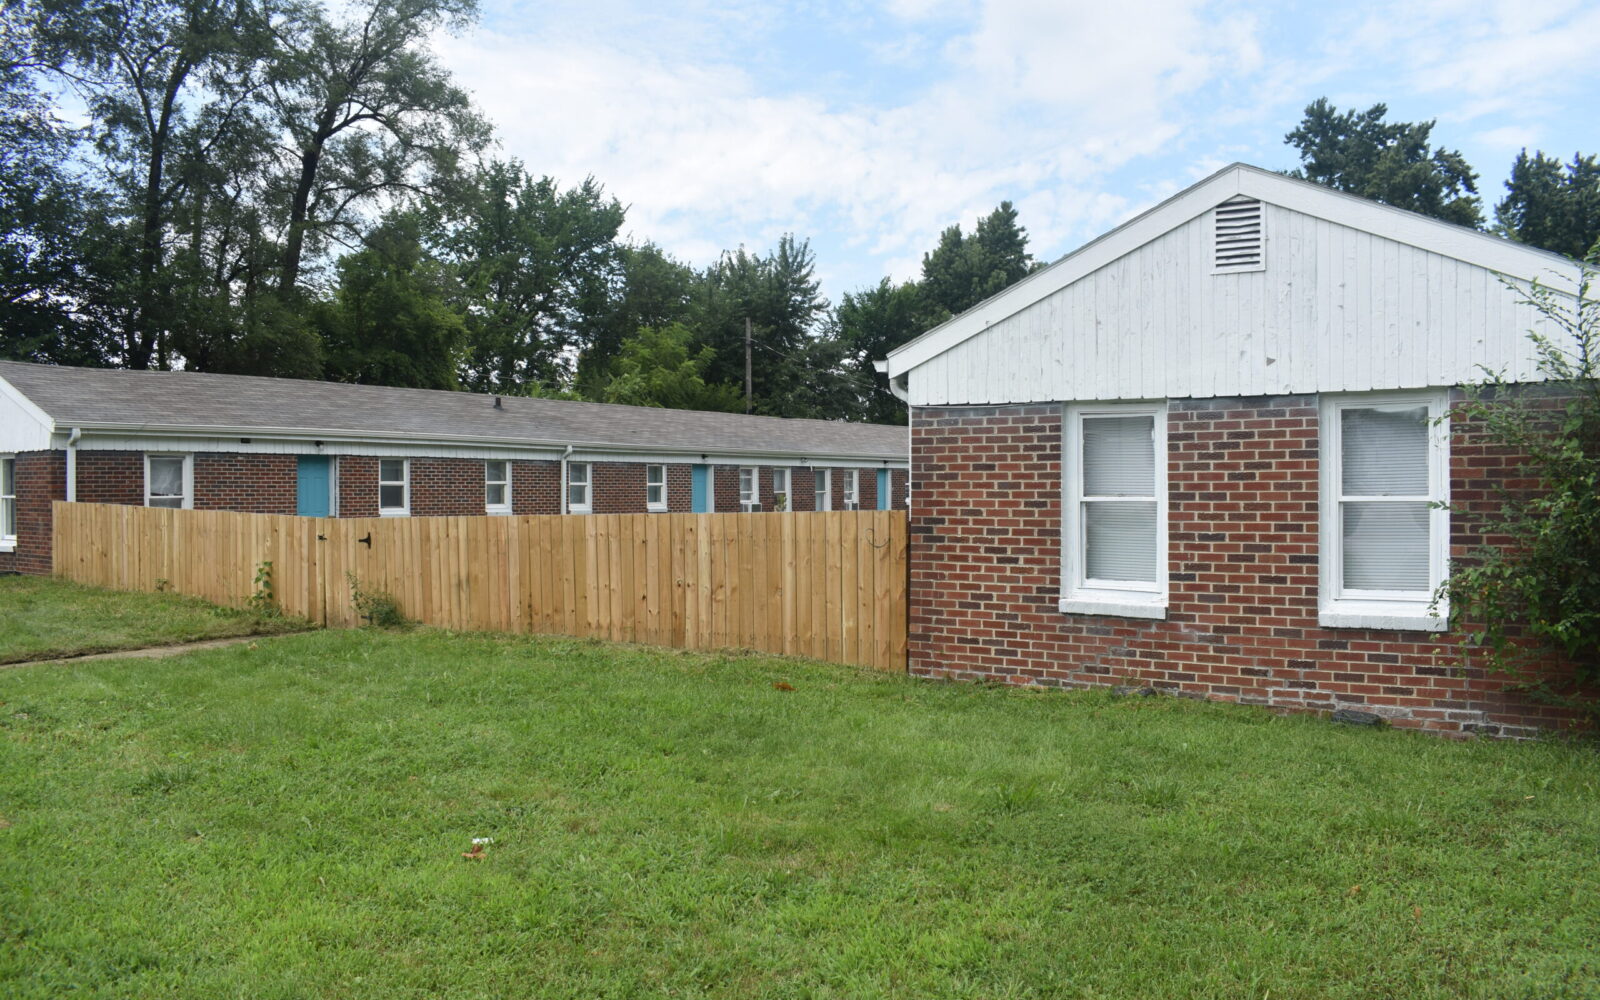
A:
[883,489]
[313,487]
[700,489]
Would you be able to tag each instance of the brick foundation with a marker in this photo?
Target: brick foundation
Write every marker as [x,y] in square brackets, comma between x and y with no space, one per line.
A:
[1241,619]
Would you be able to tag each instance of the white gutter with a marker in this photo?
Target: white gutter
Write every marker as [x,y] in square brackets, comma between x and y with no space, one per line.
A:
[72,464]
[897,383]
[564,491]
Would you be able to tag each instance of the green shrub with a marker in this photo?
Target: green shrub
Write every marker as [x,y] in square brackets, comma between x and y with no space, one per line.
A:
[378,608]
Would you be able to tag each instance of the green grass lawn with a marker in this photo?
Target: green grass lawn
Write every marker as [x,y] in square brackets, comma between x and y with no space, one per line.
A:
[42,618]
[288,821]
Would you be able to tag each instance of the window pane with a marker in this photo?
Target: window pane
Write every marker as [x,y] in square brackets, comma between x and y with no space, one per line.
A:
[8,517]
[392,470]
[1121,541]
[8,477]
[1385,451]
[494,472]
[1119,457]
[578,474]
[496,495]
[1386,546]
[166,477]
[578,495]
[652,495]
[391,497]
[176,503]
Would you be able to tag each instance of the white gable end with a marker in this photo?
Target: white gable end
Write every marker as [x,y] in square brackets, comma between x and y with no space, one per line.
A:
[23,426]
[1331,307]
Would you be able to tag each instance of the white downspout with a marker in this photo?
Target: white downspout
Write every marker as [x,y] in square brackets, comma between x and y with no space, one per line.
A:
[72,464]
[564,456]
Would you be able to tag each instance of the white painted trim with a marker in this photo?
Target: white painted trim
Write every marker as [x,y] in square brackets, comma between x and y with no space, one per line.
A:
[1366,609]
[588,489]
[8,542]
[1078,592]
[1458,242]
[497,508]
[661,506]
[188,477]
[405,482]
[1117,609]
[750,500]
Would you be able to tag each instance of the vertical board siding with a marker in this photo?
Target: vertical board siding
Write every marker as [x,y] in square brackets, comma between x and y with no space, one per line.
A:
[831,586]
[1336,309]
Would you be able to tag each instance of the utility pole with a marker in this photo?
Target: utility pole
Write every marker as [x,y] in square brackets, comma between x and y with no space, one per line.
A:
[749,394]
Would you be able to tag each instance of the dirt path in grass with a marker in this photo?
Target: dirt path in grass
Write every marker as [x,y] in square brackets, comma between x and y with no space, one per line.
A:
[153,652]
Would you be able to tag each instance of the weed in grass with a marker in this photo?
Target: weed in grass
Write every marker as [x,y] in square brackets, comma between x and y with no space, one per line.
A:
[377,608]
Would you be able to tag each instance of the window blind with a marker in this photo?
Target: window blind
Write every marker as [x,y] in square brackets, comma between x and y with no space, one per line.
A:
[1384,453]
[1119,535]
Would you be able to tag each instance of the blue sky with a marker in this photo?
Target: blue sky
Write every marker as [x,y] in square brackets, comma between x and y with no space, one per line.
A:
[869,127]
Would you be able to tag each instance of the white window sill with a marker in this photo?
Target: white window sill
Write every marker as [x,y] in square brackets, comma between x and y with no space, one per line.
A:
[578,510]
[655,510]
[1118,609]
[391,512]
[8,545]
[497,511]
[1403,617]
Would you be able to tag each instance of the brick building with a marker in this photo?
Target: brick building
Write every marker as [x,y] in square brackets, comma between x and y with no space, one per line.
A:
[1204,453]
[280,446]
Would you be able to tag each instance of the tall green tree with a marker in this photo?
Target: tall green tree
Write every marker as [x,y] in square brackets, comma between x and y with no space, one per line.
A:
[662,367]
[778,293]
[370,117]
[393,318]
[1552,205]
[964,270]
[871,323]
[535,263]
[169,85]
[648,290]
[1361,153]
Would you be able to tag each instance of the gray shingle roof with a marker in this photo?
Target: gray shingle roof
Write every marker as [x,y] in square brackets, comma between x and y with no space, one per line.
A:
[136,400]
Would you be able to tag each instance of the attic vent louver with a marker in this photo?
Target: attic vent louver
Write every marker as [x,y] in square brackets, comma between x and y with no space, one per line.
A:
[1239,243]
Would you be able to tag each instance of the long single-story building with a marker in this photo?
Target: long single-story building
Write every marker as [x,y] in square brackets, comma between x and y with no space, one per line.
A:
[284,446]
[1203,452]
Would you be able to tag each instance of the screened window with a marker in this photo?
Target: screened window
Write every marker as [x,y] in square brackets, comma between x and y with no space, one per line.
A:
[497,487]
[824,489]
[579,486]
[394,487]
[780,489]
[852,489]
[8,500]
[1114,535]
[168,481]
[1384,543]
[655,487]
[749,497]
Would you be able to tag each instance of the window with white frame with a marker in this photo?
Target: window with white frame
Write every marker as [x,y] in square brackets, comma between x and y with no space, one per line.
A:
[749,489]
[579,484]
[1385,539]
[780,489]
[394,487]
[8,501]
[852,489]
[655,488]
[824,489]
[1114,530]
[497,486]
[169,481]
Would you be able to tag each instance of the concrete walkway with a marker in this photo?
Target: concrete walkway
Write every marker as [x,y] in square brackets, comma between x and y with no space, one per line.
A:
[154,652]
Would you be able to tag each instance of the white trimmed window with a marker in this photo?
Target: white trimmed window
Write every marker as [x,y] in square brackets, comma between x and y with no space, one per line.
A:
[8,503]
[169,481]
[1114,530]
[497,486]
[749,489]
[579,483]
[780,489]
[655,488]
[394,487]
[852,489]
[1385,545]
[824,489]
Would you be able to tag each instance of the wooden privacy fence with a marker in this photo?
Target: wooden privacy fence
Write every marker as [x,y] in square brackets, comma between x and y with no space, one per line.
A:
[826,585]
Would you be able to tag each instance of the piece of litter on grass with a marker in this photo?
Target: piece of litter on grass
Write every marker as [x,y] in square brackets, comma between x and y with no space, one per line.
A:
[782,686]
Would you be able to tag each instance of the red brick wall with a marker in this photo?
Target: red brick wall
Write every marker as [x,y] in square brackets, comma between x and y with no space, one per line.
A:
[1241,620]
[358,486]
[536,487]
[255,484]
[41,480]
[110,477]
[899,488]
